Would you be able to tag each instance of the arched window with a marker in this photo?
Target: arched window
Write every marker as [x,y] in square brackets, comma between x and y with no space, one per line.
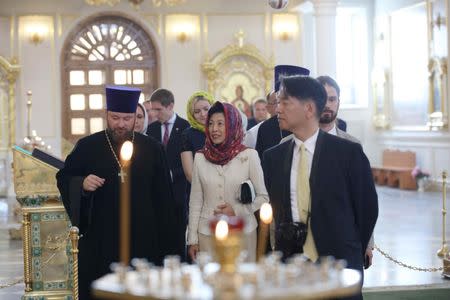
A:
[101,51]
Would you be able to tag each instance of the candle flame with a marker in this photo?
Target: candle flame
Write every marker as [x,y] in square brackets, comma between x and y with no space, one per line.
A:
[265,214]
[221,230]
[126,151]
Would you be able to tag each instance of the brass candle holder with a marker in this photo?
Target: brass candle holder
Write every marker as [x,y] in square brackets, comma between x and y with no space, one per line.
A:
[446,269]
[443,252]
[227,241]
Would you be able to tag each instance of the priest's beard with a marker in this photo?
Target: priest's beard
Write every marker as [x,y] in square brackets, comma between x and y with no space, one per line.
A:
[119,136]
[327,117]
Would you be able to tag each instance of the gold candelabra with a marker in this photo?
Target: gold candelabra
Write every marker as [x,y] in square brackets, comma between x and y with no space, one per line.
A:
[74,237]
[26,227]
[29,94]
[227,242]
[443,251]
[32,140]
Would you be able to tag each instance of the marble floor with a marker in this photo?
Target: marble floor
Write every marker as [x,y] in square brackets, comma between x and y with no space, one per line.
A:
[11,254]
[409,228]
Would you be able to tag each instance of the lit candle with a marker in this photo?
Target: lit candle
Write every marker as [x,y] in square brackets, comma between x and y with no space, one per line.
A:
[125,155]
[221,230]
[265,217]
[29,103]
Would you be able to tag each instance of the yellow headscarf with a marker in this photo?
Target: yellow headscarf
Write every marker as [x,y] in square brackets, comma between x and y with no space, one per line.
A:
[190,108]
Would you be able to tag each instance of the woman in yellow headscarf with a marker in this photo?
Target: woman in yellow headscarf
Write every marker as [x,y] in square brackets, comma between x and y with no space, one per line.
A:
[193,138]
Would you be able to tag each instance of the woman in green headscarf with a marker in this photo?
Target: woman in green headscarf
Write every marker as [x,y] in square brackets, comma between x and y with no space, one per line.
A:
[193,138]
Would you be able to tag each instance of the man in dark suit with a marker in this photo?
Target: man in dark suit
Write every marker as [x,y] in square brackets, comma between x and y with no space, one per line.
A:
[168,131]
[320,186]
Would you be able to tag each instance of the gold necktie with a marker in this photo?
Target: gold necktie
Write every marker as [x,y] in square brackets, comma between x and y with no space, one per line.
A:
[303,203]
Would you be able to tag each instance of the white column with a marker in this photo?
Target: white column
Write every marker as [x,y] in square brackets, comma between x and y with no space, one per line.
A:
[446,107]
[325,21]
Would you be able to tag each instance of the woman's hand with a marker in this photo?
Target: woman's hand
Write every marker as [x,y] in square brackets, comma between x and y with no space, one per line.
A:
[224,209]
[193,249]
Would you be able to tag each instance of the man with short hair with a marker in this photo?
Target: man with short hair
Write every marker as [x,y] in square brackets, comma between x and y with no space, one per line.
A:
[150,113]
[252,133]
[90,182]
[259,113]
[328,120]
[320,186]
[168,131]
[271,103]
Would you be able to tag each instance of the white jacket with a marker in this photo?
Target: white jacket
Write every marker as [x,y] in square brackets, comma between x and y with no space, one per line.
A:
[214,184]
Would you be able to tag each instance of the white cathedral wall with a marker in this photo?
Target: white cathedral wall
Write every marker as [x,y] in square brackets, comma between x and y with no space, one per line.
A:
[39,74]
[180,63]
[5,25]
[432,148]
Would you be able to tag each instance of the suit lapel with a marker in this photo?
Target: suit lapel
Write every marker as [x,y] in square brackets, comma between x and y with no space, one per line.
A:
[158,132]
[316,158]
[286,177]
[175,130]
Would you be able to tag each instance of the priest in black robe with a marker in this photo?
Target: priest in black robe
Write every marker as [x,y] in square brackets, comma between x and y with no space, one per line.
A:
[89,185]
[269,133]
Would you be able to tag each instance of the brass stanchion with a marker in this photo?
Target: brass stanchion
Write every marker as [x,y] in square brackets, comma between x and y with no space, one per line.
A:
[443,252]
[74,237]
[26,251]
[446,271]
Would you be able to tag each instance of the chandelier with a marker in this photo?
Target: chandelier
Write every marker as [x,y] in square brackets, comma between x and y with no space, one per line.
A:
[158,3]
[135,3]
[101,2]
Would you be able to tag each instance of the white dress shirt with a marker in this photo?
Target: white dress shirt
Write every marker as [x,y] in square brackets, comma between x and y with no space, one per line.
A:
[310,145]
[171,122]
[333,130]
[251,136]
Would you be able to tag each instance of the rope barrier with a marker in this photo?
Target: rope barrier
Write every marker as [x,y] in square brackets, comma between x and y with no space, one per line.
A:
[402,264]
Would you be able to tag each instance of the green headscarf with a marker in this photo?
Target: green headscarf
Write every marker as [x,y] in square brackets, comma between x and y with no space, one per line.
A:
[190,108]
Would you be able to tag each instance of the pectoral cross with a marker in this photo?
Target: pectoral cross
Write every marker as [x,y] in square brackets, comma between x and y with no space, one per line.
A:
[122,175]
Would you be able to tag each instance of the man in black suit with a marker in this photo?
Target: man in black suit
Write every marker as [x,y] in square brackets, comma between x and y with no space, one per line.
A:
[320,186]
[168,131]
